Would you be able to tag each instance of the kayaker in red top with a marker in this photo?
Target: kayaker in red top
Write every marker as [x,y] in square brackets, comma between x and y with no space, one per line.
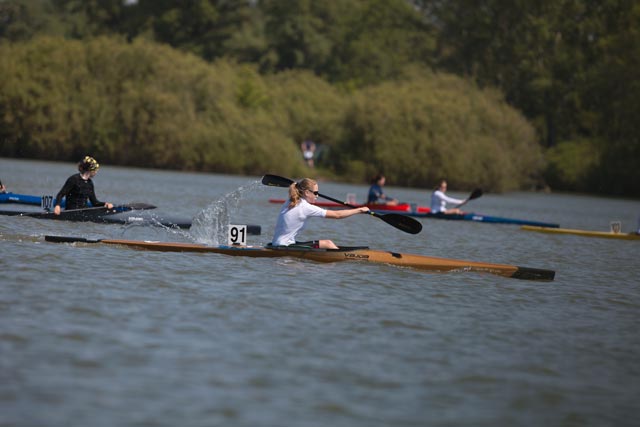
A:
[299,208]
[78,189]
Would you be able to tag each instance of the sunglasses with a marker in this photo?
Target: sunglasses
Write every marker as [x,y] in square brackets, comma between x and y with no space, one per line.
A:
[315,193]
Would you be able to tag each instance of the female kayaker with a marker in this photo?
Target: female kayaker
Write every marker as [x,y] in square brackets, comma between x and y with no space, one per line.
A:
[376,194]
[439,200]
[78,189]
[299,208]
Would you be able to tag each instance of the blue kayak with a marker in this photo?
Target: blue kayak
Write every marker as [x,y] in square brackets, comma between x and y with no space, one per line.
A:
[26,199]
[471,216]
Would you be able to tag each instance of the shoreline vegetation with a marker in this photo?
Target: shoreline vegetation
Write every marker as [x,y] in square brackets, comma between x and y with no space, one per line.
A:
[147,87]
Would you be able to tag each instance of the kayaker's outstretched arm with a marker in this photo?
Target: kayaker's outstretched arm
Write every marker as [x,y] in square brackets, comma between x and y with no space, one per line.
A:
[345,213]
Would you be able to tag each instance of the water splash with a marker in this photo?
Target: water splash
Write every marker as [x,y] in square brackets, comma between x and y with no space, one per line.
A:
[211,225]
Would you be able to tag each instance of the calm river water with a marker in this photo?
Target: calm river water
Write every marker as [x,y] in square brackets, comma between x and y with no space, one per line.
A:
[104,336]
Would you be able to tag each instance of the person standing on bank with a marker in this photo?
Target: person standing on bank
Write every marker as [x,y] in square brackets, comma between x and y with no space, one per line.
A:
[298,209]
[439,200]
[308,149]
[78,189]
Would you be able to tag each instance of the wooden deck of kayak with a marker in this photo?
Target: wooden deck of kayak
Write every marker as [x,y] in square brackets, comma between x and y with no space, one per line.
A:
[419,262]
[584,233]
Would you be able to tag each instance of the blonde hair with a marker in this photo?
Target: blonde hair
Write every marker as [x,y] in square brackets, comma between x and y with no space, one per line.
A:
[88,164]
[297,189]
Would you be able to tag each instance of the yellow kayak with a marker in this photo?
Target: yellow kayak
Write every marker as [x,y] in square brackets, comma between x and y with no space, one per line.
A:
[359,254]
[585,233]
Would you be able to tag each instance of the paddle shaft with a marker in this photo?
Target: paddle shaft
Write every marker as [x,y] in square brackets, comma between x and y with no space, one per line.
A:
[40,214]
[93,209]
[130,206]
[474,195]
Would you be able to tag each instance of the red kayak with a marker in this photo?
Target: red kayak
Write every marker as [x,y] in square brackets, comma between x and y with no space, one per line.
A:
[401,208]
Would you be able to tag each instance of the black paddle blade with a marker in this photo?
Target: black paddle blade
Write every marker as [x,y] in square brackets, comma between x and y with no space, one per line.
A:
[475,194]
[66,239]
[401,222]
[276,181]
[528,273]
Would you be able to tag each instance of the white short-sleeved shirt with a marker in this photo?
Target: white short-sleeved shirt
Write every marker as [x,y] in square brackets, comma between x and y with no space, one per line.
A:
[439,201]
[291,221]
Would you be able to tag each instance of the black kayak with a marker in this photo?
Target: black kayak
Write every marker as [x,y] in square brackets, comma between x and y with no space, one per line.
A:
[151,219]
[93,214]
[131,213]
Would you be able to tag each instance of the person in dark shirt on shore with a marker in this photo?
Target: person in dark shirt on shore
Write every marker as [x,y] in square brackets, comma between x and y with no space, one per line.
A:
[376,193]
[78,189]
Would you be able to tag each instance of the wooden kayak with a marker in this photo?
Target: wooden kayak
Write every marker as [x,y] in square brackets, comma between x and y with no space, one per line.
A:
[359,254]
[584,233]
[411,209]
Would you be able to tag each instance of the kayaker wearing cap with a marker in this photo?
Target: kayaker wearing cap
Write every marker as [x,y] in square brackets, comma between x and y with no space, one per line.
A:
[298,209]
[439,200]
[79,188]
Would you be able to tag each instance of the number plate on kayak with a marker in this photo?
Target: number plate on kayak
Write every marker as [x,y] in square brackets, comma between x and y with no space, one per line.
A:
[237,235]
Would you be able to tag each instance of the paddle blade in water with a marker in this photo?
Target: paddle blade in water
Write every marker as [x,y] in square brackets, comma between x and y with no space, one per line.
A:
[67,239]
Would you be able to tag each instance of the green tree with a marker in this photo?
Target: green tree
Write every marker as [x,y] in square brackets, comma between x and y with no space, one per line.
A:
[23,19]
[139,104]
[429,126]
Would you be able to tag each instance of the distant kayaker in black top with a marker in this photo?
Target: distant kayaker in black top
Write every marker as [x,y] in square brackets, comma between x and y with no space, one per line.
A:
[79,188]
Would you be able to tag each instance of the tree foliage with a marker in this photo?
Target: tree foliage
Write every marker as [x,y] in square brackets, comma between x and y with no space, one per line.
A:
[427,127]
[298,69]
[135,104]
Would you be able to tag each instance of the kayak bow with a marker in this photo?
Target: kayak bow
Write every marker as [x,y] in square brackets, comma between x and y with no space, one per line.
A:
[360,254]
[584,233]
